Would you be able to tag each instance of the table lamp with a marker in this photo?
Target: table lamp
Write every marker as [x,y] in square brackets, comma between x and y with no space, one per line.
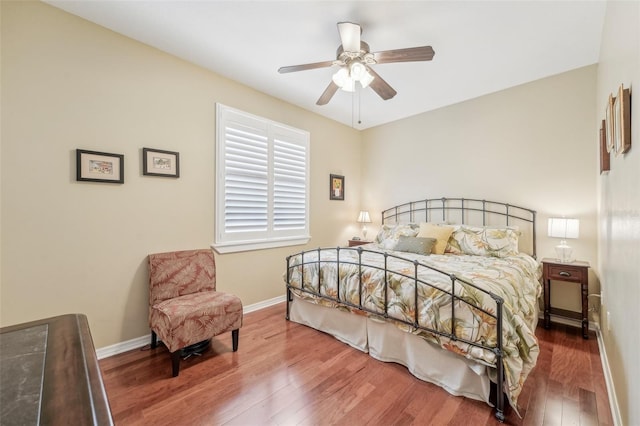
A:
[563,228]
[364,218]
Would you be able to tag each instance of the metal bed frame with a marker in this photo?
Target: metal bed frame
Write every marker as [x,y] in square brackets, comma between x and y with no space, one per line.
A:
[446,210]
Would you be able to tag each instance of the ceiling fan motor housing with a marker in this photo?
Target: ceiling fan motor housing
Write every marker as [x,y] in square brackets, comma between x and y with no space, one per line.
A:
[364,55]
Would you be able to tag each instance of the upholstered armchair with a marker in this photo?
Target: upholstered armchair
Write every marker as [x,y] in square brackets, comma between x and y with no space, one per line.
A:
[184,306]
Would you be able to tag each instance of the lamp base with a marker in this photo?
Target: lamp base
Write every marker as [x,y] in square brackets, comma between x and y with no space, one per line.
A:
[564,252]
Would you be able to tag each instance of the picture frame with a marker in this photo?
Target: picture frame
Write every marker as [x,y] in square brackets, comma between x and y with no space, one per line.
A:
[617,141]
[158,162]
[610,125]
[605,157]
[336,187]
[94,166]
[622,120]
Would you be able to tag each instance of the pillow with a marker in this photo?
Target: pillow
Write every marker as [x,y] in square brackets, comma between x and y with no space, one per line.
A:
[389,234]
[485,241]
[452,245]
[416,245]
[440,233]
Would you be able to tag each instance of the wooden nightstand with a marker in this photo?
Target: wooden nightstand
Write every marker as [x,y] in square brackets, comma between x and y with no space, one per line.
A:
[575,272]
[354,243]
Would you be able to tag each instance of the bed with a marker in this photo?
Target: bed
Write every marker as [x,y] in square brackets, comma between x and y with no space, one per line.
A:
[449,289]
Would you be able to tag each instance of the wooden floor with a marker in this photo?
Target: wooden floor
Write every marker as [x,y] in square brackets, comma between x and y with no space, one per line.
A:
[289,374]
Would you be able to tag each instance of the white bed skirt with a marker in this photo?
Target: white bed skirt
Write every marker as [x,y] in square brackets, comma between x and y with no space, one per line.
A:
[385,342]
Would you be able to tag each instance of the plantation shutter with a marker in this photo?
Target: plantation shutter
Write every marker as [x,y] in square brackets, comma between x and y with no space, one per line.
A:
[246,179]
[290,183]
[261,183]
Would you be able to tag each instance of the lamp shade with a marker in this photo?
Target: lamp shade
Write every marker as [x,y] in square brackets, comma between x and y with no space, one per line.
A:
[562,227]
[363,217]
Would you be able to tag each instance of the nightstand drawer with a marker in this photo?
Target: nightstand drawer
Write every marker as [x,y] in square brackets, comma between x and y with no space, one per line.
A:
[566,273]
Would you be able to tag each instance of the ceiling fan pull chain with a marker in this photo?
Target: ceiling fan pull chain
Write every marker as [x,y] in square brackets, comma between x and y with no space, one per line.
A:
[353,106]
[359,107]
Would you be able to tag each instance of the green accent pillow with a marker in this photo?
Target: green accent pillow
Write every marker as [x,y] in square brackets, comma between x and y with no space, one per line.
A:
[418,245]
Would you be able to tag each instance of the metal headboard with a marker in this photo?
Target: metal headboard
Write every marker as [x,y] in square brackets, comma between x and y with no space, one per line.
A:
[470,212]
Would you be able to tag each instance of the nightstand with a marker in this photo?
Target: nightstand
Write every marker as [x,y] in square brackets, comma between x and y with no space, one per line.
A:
[354,243]
[574,272]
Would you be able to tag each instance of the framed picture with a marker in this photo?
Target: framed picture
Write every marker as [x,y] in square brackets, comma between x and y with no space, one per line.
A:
[96,166]
[156,162]
[336,187]
[610,129]
[605,159]
[622,120]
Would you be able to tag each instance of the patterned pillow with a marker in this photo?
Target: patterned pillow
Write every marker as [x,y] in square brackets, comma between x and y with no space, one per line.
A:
[389,234]
[484,241]
[416,245]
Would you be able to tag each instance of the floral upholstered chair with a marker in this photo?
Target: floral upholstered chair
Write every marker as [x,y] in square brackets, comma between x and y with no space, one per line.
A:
[184,306]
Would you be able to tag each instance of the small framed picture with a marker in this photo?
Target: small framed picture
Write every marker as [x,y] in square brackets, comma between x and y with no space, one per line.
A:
[610,128]
[605,159]
[336,187]
[156,162]
[96,166]
[622,119]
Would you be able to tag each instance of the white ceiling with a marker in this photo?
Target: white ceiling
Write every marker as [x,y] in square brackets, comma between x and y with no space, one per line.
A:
[481,46]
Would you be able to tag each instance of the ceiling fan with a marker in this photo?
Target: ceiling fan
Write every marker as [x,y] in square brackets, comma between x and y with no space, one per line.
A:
[355,60]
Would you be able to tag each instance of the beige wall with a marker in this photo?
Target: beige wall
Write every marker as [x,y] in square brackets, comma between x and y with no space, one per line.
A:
[619,212]
[531,145]
[72,246]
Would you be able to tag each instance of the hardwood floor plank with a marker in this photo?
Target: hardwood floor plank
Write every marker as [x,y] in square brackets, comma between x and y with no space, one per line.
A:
[285,373]
[553,404]
[471,409]
[537,403]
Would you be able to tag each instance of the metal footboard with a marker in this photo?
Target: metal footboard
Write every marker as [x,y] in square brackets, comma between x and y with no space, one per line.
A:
[314,289]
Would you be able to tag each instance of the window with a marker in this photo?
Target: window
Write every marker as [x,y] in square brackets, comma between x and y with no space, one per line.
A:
[262,183]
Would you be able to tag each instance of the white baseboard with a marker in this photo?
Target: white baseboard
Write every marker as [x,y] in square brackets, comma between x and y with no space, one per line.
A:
[613,400]
[263,304]
[593,326]
[141,341]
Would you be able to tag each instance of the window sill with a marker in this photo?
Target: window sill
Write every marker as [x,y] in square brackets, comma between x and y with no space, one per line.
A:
[239,246]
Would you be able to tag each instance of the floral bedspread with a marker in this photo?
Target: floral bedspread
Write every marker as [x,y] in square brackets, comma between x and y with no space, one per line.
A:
[515,279]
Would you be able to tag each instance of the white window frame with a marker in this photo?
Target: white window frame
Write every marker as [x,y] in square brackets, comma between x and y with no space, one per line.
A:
[278,138]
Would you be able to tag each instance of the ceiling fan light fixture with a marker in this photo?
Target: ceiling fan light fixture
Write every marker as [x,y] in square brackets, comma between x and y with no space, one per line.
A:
[357,70]
[349,86]
[343,80]
[346,77]
[340,77]
[366,79]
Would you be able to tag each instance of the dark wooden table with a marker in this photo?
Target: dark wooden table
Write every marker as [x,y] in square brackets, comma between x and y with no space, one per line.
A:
[50,374]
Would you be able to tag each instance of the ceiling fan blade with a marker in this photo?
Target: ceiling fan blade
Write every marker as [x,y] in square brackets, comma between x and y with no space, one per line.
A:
[304,67]
[410,54]
[350,36]
[328,93]
[380,86]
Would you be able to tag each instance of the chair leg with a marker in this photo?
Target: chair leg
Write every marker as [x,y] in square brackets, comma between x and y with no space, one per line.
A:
[235,336]
[175,362]
[154,340]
